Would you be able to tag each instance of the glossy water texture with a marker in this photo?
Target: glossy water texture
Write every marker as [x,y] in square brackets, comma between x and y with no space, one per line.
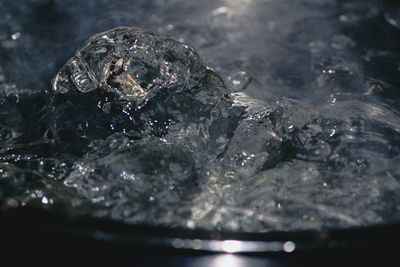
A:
[241,115]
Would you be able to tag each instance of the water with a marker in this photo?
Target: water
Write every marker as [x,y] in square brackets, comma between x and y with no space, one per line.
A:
[233,115]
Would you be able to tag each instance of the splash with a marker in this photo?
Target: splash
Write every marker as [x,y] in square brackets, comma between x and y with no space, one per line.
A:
[140,128]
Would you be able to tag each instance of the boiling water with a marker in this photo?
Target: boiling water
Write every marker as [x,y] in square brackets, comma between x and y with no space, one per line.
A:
[230,115]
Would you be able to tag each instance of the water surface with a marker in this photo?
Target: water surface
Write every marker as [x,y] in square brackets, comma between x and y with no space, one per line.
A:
[294,123]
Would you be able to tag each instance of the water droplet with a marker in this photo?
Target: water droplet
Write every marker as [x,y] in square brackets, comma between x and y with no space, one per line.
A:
[239,81]
[15,35]
[230,174]
[392,17]
[289,246]
[45,200]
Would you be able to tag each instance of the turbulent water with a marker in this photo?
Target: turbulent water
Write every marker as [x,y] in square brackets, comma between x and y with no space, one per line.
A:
[226,115]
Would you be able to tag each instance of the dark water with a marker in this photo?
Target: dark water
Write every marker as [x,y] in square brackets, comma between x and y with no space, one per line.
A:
[235,115]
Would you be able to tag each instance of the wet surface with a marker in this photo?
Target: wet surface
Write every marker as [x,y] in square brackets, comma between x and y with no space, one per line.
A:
[230,115]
